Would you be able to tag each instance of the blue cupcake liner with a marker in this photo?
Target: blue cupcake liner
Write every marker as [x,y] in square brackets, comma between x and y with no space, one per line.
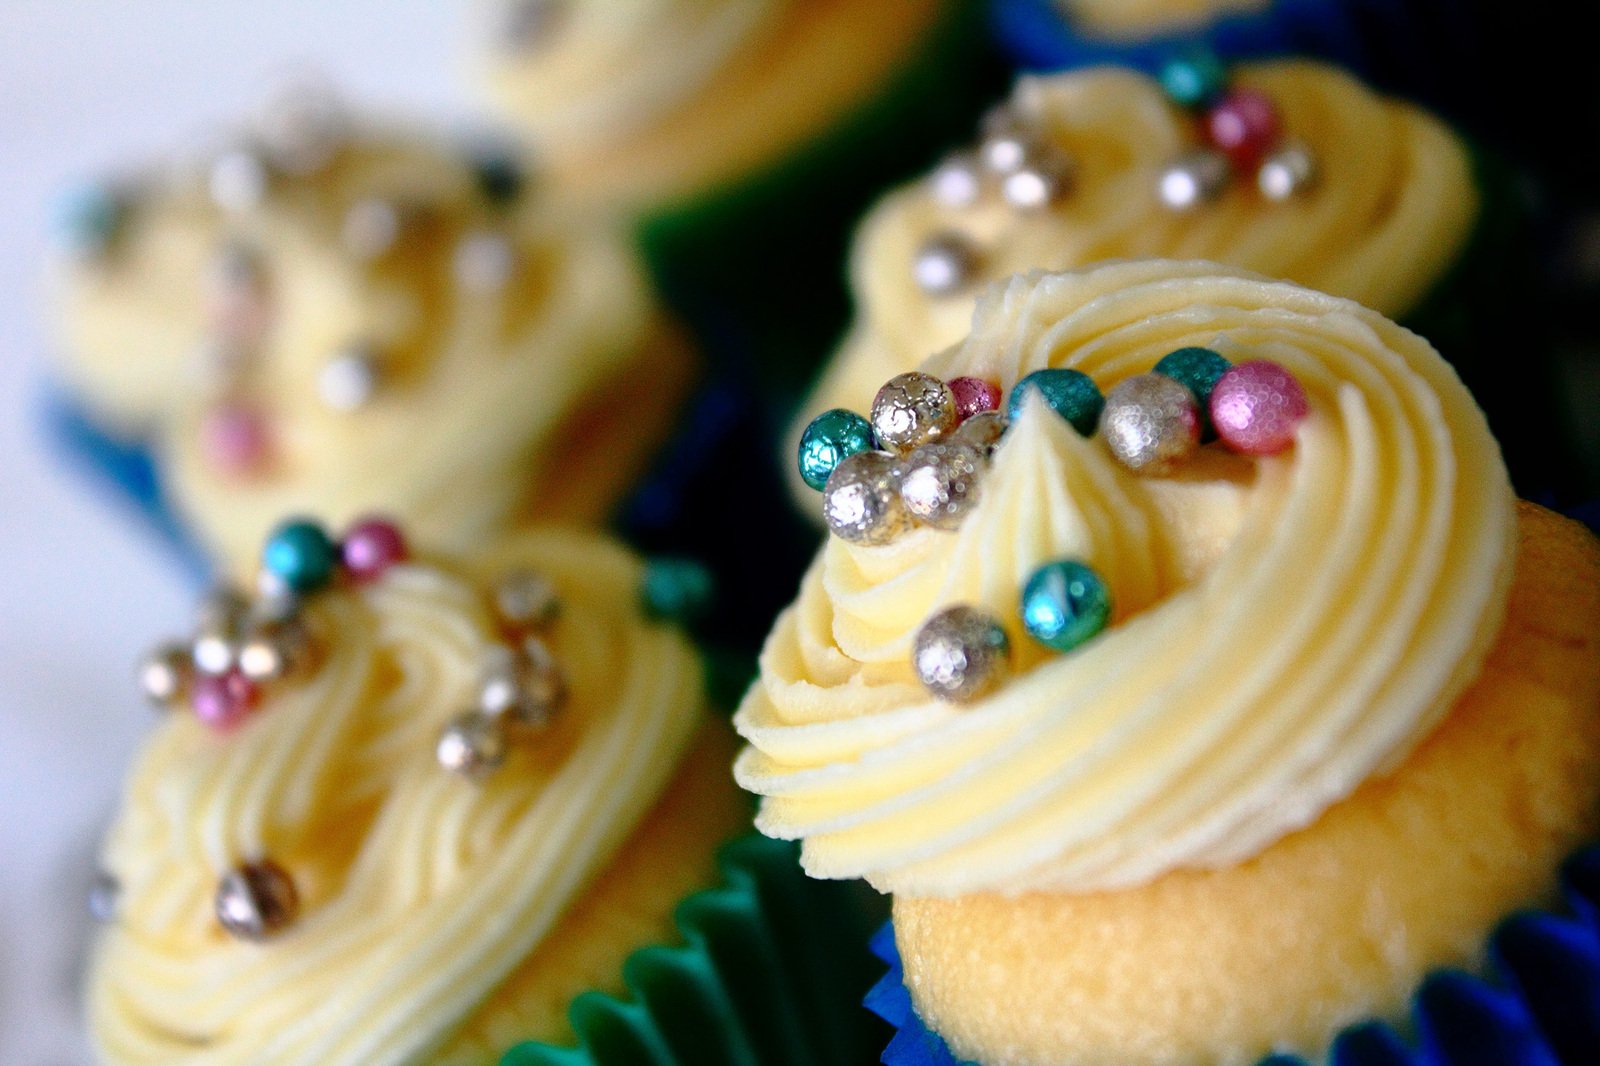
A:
[1538,1004]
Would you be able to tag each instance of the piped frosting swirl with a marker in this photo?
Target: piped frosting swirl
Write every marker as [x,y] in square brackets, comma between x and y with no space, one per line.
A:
[1286,627]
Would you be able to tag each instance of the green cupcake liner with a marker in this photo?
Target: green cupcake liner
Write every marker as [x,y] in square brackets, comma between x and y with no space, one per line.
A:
[1488,317]
[756,266]
[771,974]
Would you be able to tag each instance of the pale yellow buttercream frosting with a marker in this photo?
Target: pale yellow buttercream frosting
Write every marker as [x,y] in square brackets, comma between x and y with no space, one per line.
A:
[424,895]
[1122,20]
[657,100]
[1286,627]
[538,392]
[1394,204]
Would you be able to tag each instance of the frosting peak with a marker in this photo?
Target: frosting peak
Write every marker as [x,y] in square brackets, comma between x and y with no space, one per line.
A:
[1285,627]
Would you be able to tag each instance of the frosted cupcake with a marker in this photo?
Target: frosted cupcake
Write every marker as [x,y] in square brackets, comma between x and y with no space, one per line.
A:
[1125,721]
[336,318]
[406,810]
[1292,169]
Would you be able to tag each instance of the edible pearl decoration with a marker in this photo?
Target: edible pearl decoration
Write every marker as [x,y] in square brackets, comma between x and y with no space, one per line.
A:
[1151,423]
[912,409]
[371,546]
[828,440]
[944,264]
[1194,178]
[472,744]
[1244,125]
[526,599]
[349,380]
[861,501]
[1257,406]
[256,901]
[940,482]
[957,182]
[1064,604]
[983,431]
[222,701]
[165,673]
[1043,178]
[1287,172]
[974,396]
[1072,394]
[961,654]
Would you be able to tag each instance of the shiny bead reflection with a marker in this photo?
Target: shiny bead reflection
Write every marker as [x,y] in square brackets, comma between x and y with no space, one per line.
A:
[472,744]
[1064,604]
[982,431]
[1193,179]
[940,482]
[526,599]
[256,901]
[956,182]
[348,381]
[912,409]
[1287,172]
[165,673]
[861,501]
[945,264]
[1151,423]
[961,654]
[830,439]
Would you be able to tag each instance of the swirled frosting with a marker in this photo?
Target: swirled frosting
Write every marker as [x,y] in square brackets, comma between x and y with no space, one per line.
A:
[1285,627]
[655,100]
[498,398]
[433,908]
[1394,204]
[1121,20]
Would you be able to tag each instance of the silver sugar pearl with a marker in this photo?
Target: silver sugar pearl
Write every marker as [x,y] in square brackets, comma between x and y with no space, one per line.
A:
[983,431]
[525,599]
[219,625]
[484,261]
[275,599]
[102,899]
[1004,150]
[1042,179]
[940,482]
[912,409]
[944,264]
[238,180]
[256,900]
[274,650]
[956,182]
[1193,179]
[861,500]
[1287,172]
[370,228]
[472,744]
[1151,423]
[961,654]
[348,381]
[165,673]
[525,685]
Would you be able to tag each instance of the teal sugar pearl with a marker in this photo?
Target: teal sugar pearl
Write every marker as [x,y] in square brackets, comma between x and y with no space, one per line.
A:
[301,554]
[1195,78]
[1198,370]
[1072,394]
[1064,604]
[676,589]
[830,439]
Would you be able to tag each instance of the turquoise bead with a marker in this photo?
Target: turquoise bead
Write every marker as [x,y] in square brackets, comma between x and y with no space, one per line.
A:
[1194,79]
[1072,394]
[830,439]
[301,554]
[1065,603]
[676,589]
[1198,370]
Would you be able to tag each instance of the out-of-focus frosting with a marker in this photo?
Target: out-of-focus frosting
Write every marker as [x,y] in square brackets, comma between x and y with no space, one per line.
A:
[1121,20]
[652,101]
[1285,627]
[1394,204]
[497,402]
[421,892]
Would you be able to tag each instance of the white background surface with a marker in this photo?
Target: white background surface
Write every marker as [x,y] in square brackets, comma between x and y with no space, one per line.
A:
[86,85]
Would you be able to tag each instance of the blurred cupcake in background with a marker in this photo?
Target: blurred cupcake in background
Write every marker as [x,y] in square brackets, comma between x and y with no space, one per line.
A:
[1292,168]
[336,315]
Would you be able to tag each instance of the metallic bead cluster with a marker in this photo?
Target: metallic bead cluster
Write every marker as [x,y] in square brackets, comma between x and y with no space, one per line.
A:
[1243,133]
[256,900]
[520,686]
[961,654]
[1014,162]
[933,442]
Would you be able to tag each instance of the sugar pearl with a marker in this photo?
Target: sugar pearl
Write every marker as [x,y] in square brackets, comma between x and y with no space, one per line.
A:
[1287,172]
[961,654]
[861,501]
[1150,423]
[165,673]
[256,900]
[1193,179]
[945,264]
[1072,394]
[828,440]
[301,553]
[1244,125]
[223,701]
[940,483]
[472,744]
[956,182]
[912,409]
[974,396]
[1065,603]
[370,547]
[1257,406]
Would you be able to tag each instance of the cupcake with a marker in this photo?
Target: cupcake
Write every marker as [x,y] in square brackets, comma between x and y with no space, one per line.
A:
[336,317]
[1434,51]
[1292,169]
[408,810]
[1173,751]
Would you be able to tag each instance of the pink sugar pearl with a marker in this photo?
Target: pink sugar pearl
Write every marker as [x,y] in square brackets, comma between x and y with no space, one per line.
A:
[1256,407]
[974,396]
[222,701]
[370,547]
[235,439]
[1244,125]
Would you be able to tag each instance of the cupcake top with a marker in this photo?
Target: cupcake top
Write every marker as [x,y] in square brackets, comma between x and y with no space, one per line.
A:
[378,792]
[1065,646]
[353,318]
[1292,169]
[659,99]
